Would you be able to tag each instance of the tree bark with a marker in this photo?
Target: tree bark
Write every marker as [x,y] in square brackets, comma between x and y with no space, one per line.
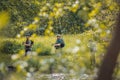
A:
[109,62]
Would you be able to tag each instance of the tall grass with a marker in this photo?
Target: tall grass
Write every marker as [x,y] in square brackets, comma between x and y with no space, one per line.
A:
[75,58]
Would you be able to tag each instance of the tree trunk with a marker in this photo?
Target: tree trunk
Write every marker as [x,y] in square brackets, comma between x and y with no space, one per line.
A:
[110,59]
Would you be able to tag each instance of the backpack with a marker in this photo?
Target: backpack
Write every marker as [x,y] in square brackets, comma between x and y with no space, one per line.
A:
[32,42]
[62,45]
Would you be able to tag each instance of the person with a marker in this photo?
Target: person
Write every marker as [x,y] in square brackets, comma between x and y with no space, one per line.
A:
[92,47]
[58,45]
[28,44]
[59,42]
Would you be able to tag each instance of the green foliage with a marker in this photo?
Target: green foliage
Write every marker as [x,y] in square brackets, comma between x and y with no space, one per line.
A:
[45,51]
[75,58]
[10,47]
[21,12]
[66,17]
[41,49]
[93,19]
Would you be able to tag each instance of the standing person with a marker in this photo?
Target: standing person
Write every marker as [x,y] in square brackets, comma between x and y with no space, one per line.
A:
[28,44]
[93,49]
[59,43]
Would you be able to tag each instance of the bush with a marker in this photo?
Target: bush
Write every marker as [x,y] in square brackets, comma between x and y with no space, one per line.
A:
[10,47]
[41,49]
[45,51]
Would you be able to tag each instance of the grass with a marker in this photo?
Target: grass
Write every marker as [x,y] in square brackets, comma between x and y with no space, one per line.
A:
[71,43]
[4,58]
[76,53]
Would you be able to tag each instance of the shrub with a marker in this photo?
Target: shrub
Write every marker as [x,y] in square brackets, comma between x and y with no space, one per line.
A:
[10,47]
[45,51]
[41,49]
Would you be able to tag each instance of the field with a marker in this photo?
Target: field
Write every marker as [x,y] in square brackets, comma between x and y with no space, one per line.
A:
[86,27]
[76,57]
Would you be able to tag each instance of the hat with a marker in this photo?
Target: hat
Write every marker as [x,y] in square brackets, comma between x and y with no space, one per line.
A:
[58,35]
[27,34]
